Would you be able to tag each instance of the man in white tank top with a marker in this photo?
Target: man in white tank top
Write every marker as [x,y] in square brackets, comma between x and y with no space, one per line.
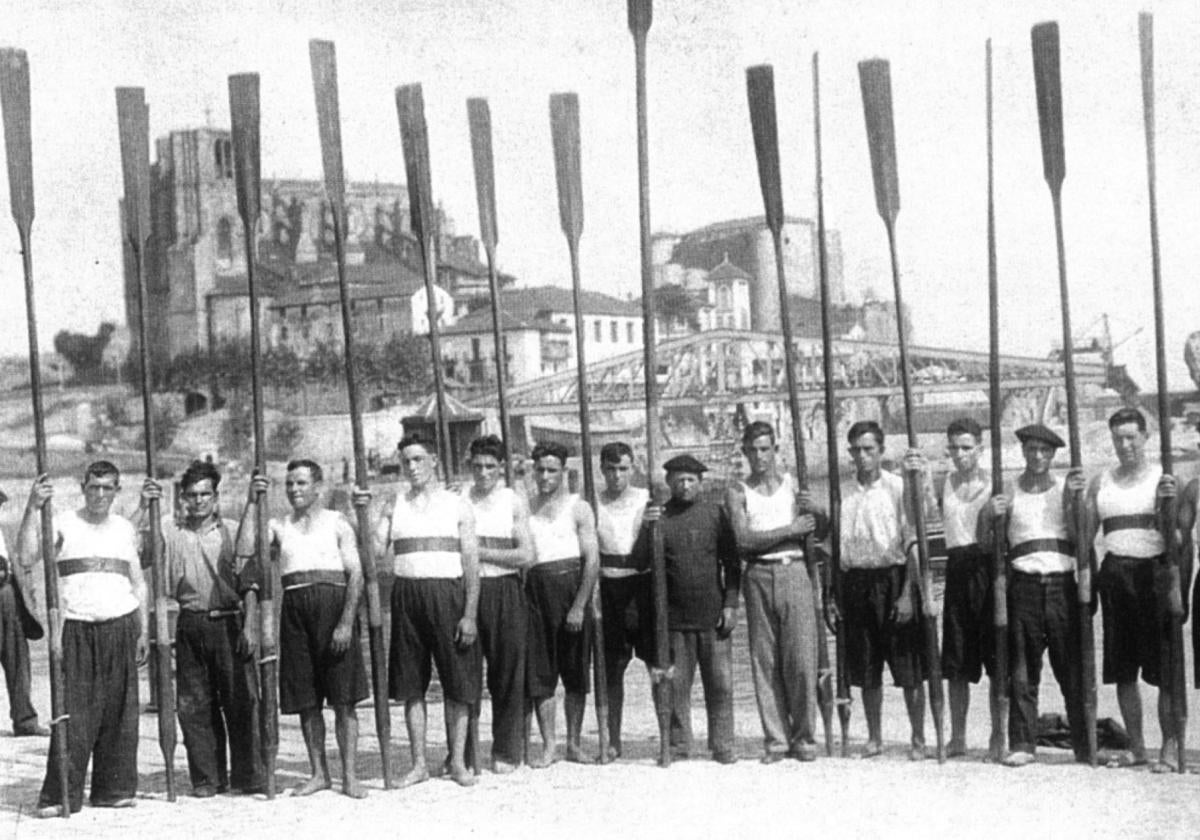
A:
[770,520]
[320,657]
[1043,605]
[505,548]
[430,532]
[625,593]
[102,601]
[559,586]
[1123,504]
[967,619]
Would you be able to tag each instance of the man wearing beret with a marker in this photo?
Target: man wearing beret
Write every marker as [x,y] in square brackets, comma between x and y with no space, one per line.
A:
[1042,601]
[703,575]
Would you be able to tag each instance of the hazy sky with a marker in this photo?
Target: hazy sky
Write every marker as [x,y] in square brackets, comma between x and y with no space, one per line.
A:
[516,52]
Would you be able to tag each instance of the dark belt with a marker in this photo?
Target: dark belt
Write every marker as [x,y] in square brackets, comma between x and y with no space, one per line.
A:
[1126,560]
[80,565]
[557,567]
[493,542]
[213,614]
[1047,579]
[776,561]
[618,561]
[294,579]
[1130,522]
[1034,546]
[413,545]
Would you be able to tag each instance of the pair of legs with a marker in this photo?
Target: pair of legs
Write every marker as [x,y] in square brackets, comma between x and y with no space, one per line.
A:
[967,643]
[1129,698]
[312,724]
[873,638]
[415,713]
[503,636]
[14,658]
[714,655]
[625,607]
[960,701]
[546,709]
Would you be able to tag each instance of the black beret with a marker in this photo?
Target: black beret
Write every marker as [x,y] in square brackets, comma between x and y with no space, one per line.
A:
[1040,433]
[685,463]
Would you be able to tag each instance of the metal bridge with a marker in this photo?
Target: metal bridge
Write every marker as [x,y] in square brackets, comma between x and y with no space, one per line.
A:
[726,367]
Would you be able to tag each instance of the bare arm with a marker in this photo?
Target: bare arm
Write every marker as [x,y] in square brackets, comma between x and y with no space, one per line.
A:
[29,536]
[521,556]
[348,547]
[756,542]
[467,631]
[589,550]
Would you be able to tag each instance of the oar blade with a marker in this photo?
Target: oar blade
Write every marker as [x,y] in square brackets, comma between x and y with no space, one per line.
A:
[244,121]
[641,14]
[133,123]
[329,121]
[1146,45]
[479,118]
[414,135]
[1048,84]
[760,91]
[875,79]
[18,145]
[564,129]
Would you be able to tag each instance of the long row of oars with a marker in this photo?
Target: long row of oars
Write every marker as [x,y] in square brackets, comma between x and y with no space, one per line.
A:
[564,113]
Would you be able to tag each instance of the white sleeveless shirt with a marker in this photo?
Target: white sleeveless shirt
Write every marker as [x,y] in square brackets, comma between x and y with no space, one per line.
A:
[617,525]
[960,510]
[765,513]
[424,535]
[1038,516]
[556,539]
[99,595]
[494,526]
[1127,515]
[311,546]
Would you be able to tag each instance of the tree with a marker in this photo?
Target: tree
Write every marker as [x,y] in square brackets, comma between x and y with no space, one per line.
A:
[676,302]
[85,352]
[282,440]
[405,365]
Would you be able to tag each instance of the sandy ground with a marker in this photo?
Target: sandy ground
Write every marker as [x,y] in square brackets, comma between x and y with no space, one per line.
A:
[888,796]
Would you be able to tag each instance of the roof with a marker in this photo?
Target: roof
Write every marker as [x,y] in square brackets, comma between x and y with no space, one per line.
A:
[480,321]
[456,409]
[318,283]
[734,225]
[527,303]
[725,270]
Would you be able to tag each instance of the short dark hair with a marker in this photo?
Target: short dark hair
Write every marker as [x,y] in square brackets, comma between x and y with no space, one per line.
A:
[101,469]
[964,426]
[865,427]
[314,469]
[756,430]
[487,445]
[422,439]
[1125,415]
[198,471]
[550,447]
[612,453]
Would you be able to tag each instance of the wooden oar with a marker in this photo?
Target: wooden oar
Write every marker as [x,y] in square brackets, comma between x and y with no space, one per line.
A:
[640,13]
[479,119]
[998,684]
[833,574]
[134,123]
[760,89]
[244,123]
[1174,672]
[876,82]
[564,129]
[325,88]
[18,147]
[1048,86]
[414,135]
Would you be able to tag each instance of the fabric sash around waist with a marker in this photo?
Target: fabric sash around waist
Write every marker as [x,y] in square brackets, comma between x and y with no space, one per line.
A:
[1056,546]
[1129,560]
[80,565]
[500,543]
[427,557]
[567,565]
[1130,522]
[619,561]
[413,545]
[292,580]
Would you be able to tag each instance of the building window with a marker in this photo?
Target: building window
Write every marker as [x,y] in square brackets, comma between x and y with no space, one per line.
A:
[613,334]
[223,158]
[225,240]
[599,331]
[629,331]
[303,311]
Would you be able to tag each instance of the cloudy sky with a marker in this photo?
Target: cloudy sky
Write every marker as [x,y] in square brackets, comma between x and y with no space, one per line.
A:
[516,52]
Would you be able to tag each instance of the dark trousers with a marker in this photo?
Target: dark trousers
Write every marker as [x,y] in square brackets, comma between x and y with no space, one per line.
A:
[625,607]
[690,648]
[1044,615]
[100,671]
[503,631]
[218,703]
[14,658]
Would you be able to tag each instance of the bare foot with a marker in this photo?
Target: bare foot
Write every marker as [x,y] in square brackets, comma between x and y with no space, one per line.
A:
[313,785]
[354,789]
[547,757]
[576,755]
[871,749]
[415,776]
[916,752]
[502,768]
[463,776]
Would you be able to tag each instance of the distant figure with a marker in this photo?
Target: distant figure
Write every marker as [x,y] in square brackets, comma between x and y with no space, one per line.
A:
[17,626]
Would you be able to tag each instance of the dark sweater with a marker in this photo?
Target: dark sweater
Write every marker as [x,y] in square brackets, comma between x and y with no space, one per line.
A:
[703,573]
